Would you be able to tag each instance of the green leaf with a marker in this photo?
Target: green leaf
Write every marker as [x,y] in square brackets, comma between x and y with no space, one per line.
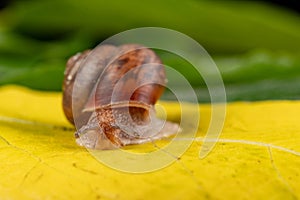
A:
[221,27]
[36,39]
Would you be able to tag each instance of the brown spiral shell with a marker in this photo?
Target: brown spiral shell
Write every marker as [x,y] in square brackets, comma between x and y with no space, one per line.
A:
[104,85]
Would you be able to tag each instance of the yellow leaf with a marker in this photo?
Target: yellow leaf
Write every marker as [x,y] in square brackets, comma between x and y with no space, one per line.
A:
[256,157]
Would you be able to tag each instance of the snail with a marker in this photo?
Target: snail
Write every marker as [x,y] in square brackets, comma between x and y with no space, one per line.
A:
[109,93]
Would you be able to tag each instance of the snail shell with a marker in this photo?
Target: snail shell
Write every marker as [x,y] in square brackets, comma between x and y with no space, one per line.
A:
[112,100]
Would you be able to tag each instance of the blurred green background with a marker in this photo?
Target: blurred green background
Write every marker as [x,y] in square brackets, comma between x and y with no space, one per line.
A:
[255,44]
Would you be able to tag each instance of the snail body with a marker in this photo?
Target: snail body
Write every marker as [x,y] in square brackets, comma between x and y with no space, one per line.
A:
[109,93]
